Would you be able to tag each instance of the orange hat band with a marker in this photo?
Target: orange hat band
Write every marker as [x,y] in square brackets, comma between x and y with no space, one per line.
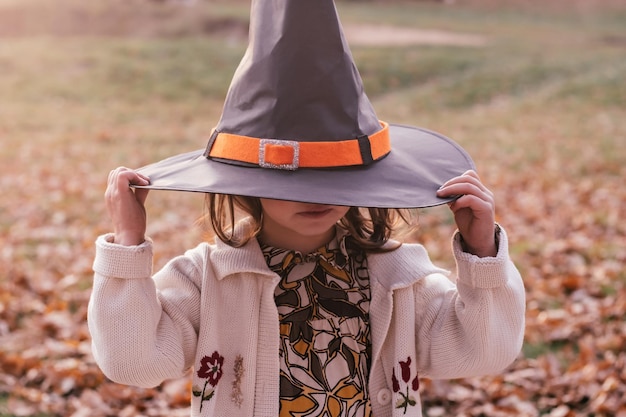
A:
[291,155]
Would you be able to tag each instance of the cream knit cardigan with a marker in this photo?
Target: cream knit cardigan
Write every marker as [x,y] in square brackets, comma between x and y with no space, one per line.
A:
[218,302]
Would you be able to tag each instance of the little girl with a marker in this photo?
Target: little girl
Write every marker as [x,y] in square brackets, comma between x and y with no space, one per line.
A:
[305,306]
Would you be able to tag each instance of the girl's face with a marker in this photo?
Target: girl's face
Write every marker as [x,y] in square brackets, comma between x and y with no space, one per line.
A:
[304,227]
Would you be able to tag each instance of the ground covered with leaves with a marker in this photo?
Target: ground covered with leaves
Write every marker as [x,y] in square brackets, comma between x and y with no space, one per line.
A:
[540,105]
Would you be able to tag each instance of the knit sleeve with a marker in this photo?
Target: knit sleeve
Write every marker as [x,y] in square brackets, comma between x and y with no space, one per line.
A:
[142,335]
[476,326]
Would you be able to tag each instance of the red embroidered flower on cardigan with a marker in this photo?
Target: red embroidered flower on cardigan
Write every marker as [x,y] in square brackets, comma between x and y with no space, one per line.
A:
[405,370]
[211,370]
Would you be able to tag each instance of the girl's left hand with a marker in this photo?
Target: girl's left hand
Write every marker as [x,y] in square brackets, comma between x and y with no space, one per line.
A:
[474,213]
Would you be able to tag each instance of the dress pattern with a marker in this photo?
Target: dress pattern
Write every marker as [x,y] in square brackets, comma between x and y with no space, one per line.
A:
[323,303]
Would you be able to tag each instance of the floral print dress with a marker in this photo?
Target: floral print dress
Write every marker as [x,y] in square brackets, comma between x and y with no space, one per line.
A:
[325,348]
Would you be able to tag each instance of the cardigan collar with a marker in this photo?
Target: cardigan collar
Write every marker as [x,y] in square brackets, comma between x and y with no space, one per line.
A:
[227,261]
[402,267]
[395,269]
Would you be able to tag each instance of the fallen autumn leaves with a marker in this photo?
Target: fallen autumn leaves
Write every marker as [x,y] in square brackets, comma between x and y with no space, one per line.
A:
[574,362]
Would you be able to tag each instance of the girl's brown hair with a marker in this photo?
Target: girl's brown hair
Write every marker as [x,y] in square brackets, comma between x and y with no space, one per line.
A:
[370,227]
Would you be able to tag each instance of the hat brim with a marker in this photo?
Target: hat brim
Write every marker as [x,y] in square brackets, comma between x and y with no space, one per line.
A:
[419,163]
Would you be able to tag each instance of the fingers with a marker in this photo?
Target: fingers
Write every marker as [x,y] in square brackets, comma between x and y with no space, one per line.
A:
[473,192]
[467,183]
[126,205]
[121,179]
[125,177]
[480,207]
[474,212]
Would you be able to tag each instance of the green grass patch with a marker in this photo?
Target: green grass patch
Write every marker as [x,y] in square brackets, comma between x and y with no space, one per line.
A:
[535,350]
[4,408]
[94,70]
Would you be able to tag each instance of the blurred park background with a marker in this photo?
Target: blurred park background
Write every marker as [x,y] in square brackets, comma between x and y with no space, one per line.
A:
[534,90]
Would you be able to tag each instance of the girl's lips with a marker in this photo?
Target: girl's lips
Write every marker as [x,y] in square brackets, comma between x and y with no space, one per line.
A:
[315,213]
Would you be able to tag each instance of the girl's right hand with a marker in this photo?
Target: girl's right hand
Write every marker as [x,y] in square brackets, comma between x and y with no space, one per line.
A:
[126,205]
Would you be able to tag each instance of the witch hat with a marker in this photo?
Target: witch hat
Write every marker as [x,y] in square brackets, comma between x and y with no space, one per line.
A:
[297,125]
